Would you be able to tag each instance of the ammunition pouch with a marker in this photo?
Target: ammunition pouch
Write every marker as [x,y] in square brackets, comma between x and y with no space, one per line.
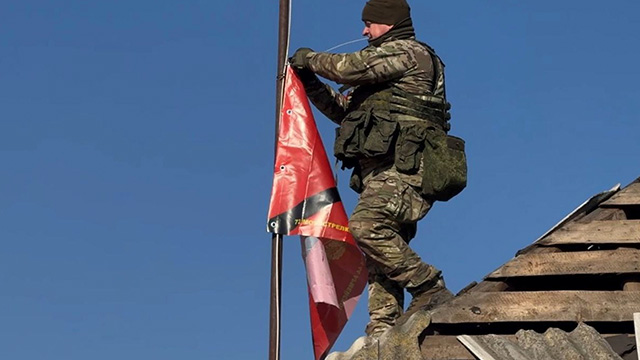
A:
[410,145]
[411,130]
[445,166]
[364,133]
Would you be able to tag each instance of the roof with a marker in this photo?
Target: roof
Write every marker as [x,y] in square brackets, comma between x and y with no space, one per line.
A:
[582,343]
[585,270]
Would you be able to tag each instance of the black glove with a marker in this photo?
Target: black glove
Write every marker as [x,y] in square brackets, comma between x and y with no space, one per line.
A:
[307,76]
[299,59]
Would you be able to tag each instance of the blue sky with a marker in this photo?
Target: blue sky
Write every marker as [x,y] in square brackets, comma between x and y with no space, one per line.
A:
[136,145]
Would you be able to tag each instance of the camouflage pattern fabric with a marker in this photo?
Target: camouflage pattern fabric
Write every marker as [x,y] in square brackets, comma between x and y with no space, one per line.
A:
[385,218]
[445,166]
[404,64]
[383,223]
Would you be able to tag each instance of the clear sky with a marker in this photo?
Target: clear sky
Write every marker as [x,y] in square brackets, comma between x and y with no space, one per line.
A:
[136,152]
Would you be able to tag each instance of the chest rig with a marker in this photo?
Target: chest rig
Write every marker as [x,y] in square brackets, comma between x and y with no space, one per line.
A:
[385,122]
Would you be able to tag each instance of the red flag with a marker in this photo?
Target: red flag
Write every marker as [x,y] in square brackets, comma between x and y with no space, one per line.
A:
[305,202]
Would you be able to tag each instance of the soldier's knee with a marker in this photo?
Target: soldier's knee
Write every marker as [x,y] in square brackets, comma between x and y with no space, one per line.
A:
[366,230]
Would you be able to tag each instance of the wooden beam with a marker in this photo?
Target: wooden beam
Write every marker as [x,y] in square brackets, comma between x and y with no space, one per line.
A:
[620,261]
[486,286]
[596,232]
[538,306]
[631,286]
[625,197]
[438,347]
[601,214]
[585,208]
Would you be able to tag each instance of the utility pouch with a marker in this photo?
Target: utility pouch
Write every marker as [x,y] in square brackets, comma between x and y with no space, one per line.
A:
[365,133]
[350,136]
[445,166]
[381,131]
[411,142]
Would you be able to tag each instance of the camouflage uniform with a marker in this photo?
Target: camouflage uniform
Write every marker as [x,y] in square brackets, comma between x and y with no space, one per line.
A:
[390,203]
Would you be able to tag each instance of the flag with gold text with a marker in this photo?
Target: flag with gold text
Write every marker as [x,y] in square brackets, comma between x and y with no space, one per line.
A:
[305,202]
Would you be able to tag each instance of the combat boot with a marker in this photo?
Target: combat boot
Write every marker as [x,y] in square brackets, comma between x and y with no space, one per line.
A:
[426,297]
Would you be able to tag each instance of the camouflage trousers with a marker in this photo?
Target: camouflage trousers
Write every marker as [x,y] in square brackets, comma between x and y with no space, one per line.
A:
[383,223]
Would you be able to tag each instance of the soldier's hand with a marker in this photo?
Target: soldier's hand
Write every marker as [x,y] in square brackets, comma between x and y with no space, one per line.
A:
[299,59]
[307,76]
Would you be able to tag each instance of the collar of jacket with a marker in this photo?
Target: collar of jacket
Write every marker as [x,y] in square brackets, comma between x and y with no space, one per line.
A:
[401,31]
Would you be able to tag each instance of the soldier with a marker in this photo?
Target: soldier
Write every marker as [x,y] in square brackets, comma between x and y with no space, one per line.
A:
[396,107]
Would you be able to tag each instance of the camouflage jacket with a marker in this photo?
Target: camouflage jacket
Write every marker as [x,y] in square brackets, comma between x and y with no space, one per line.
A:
[405,64]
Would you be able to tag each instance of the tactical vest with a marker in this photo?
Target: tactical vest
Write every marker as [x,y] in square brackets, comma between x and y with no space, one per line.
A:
[372,125]
[383,121]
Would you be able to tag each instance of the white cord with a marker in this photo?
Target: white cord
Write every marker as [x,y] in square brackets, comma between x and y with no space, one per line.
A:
[346,43]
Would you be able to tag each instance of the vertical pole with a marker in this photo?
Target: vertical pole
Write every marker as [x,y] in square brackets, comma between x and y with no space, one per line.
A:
[276,240]
[283,49]
[276,291]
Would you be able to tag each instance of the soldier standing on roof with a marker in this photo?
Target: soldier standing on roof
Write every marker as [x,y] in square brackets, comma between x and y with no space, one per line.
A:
[395,115]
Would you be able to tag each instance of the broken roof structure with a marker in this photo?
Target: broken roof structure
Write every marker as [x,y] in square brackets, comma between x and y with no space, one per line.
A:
[569,295]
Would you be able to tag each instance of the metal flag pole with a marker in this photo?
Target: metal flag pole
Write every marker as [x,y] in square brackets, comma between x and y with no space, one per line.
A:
[276,239]
[276,291]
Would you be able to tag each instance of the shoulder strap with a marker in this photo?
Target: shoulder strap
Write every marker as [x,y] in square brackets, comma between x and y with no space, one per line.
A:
[438,72]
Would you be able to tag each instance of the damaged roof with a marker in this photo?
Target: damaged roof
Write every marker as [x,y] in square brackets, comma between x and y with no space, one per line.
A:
[582,343]
[581,277]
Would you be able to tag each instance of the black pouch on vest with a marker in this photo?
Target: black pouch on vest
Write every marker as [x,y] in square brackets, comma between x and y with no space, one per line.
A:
[445,166]
[365,133]
[409,148]
[381,131]
[350,136]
